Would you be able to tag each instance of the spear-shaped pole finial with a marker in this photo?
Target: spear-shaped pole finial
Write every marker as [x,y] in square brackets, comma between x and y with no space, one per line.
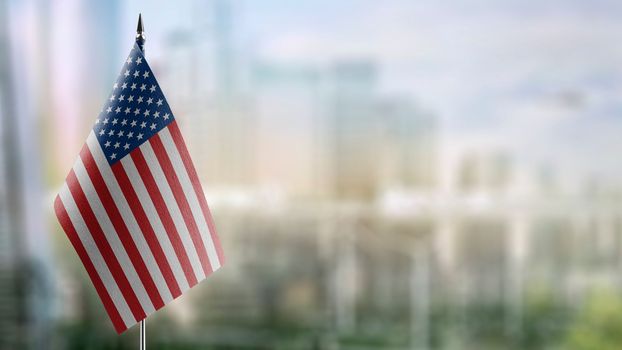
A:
[140,33]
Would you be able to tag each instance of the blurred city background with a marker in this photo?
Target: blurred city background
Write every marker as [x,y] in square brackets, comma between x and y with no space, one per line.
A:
[383,174]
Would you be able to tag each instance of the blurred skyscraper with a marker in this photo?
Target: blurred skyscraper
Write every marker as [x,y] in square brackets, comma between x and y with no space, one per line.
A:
[85,35]
[210,97]
[377,142]
[355,130]
[410,144]
[288,104]
[25,275]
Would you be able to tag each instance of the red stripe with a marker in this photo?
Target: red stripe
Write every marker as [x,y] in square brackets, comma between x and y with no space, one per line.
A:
[196,184]
[120,227]
[182,201]
[65,222]
[146,228]
[165,216]
[104,247]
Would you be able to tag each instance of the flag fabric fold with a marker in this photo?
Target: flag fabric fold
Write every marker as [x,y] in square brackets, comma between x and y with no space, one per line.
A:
[132,205]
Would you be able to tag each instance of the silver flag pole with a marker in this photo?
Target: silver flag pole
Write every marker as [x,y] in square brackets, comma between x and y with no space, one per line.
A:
[140,40]
[143,339]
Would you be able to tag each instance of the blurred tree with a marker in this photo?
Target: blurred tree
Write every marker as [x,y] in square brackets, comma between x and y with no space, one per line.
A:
[598,325]
[545,320]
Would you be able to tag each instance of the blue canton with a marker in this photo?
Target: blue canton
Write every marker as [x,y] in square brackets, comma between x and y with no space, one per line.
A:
[136,109]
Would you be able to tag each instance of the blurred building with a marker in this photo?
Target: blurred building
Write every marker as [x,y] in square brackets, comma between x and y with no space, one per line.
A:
[72,90]
[354,128]
[287,103]
[375,142]
[26,292]
[410,144]
[490,171]
[211,98]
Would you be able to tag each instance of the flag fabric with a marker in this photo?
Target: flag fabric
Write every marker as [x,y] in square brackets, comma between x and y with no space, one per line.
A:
[132,205]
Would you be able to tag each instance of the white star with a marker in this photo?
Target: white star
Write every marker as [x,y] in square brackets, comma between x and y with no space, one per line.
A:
[117,110]
[127,110]
[97,121]
[106,121]
[143,87]
[107,144]
[136,74]
[143,125]
[115,86]
[127,146]
[146,74]
[146,113]
[120,133]
[109,109]
[149,100]
[115,121]
[113,156]
[124,86]
[159,103]
[166,116]
[140,136]
[130,134]
[102,132]
[127,73]
[140,99]
[121,98]
[116,145]
[130,99]
[111,132]
[133,86]
[153,126]
[156,114]
[136,111]
[139,60]
[112,98]
[129,60]
[124,122]
[152,88]
[133,124]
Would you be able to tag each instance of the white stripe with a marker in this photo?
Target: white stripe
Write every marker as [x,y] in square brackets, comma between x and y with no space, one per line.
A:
[156,222]
[129,219]
[112,236]
[96,258]
[193,200]
[173,208]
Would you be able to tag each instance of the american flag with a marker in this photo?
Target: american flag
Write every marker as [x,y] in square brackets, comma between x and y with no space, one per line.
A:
[132,205]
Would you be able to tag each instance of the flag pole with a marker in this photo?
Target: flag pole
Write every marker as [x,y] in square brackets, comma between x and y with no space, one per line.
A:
[143,338]
[140,40]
